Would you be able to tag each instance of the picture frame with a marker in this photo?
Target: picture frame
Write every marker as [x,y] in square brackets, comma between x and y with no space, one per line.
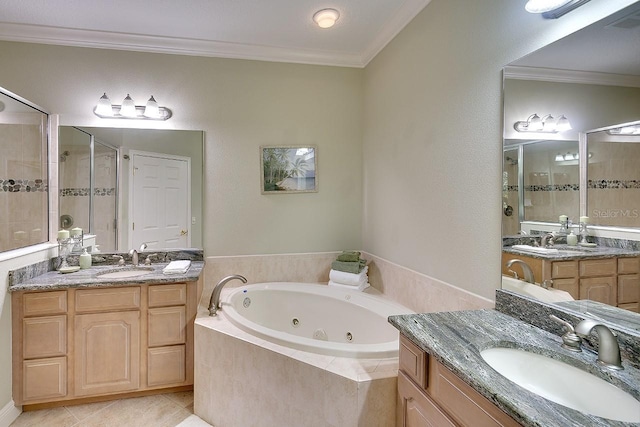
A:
[286,169]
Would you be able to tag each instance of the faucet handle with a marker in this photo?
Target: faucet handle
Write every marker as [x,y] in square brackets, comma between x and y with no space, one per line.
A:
[120,259]
[147,261]
[570,340]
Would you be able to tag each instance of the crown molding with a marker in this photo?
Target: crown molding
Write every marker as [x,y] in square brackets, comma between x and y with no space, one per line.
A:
[570,76]
[401,19]
[171,45]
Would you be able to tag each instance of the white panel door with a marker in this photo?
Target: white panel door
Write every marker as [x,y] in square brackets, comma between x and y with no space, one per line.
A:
[160,201]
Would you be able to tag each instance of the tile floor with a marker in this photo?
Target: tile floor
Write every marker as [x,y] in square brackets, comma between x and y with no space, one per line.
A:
[161,410]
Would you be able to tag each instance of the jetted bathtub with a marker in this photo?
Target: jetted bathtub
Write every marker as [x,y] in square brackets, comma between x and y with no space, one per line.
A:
[316,318]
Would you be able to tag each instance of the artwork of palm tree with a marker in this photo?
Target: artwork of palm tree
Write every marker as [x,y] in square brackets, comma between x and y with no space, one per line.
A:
[288,169]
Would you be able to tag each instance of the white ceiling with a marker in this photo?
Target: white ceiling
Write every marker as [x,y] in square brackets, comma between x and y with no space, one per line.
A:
[275,30]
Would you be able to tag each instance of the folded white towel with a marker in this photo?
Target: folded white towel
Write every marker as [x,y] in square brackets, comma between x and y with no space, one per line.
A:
[349,278]
[177,267]
[360,287]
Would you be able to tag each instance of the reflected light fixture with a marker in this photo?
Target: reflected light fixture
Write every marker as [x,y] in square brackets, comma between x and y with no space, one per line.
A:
[326,18]
[625,130]
[129,110]
[552,9]
[546,124]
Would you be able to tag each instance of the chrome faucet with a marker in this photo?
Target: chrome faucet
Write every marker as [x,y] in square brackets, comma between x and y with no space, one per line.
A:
[526,270]
[608,348]
[214,302]
[134,257]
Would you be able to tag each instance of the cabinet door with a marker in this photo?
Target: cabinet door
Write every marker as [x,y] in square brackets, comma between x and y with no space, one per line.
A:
[166,366]
[417,409]
[628,289]
[107,352]
[167,326]
[601,289]
[44,378]
[572,286]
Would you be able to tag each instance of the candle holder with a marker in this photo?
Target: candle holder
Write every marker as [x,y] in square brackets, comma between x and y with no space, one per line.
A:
[77,243]
[583,232]
[64,249]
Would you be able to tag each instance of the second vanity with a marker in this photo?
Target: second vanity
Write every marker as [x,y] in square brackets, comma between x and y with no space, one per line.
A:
[444,381]
[82,337]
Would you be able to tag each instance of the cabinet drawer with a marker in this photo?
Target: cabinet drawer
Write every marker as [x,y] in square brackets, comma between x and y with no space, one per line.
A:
[628,288]
[166,365]
[628,265]
[43,303]
[44,337]
[167,325]
[572,286]
[163,295]
[44,378]
[598,267]
[564,269]
[413,361]
[107,299]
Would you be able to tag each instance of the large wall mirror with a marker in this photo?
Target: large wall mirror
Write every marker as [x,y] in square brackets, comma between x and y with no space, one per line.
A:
[592,78]
[24,180]
[132,186]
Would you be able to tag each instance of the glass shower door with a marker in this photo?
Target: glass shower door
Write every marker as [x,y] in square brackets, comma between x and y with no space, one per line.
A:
[105,196]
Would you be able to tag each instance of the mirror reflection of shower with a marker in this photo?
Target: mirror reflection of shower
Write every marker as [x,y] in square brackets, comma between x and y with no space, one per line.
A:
[88,180]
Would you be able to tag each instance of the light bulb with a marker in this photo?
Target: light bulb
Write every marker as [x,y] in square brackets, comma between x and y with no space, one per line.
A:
[152,110]
[128,108]
[104,108]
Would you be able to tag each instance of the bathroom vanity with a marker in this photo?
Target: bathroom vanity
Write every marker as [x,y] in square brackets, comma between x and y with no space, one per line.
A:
[79,336]
[444,381]
[607,275]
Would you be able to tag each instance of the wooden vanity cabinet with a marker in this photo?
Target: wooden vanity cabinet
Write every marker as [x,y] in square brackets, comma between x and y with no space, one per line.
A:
[612,281]
[75,344]
[431,395]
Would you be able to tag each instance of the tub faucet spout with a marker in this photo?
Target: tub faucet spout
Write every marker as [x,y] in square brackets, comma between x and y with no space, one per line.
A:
[526,269]
[214,302]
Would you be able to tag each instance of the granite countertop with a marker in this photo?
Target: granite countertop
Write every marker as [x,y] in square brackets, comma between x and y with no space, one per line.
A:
[576,252]
[89,278]
[456,339]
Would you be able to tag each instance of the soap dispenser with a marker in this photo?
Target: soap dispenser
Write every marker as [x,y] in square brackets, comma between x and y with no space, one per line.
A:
[572,239]
[85,259]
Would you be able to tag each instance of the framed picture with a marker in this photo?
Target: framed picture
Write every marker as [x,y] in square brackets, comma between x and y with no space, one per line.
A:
[289,169]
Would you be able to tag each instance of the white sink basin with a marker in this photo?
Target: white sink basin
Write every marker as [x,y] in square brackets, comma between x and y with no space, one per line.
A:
[563,384]
[123,274]
[548,251]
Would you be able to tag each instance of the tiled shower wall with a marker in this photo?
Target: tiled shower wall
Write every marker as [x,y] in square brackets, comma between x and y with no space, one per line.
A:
[23,187]
[414,290]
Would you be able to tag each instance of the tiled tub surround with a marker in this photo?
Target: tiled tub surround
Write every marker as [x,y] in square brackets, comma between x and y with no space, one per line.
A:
[456,338]
[414,290]
[243,380]
[233,367]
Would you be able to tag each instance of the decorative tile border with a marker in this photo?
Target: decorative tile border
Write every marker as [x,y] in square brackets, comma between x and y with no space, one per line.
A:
[23,185]
[71,192]
[599,184]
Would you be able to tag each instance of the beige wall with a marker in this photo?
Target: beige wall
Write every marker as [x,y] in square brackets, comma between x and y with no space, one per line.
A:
[429,137]
[433,135]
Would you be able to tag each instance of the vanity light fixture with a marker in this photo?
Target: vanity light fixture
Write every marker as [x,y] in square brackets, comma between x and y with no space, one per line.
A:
[546,124]
[129,110]
[326,18]
[625,130]
[553,9]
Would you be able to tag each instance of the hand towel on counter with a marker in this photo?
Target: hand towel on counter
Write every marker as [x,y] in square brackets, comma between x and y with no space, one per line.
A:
[349,256]
[349,278]
[359,288]
[354,267]
[177,267]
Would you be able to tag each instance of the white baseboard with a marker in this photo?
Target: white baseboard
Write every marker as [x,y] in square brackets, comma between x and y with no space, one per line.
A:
[9,413]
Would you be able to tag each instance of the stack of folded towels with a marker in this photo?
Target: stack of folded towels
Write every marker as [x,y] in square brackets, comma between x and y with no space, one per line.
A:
[349,271]
[177,267]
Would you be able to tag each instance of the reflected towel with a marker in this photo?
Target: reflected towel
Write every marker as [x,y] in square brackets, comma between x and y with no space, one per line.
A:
[349,278]
[360,288]
[349,267]
[177,267]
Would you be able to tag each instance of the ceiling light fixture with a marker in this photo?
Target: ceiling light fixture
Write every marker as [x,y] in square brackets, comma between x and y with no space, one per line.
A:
[546,124]
[553,9]
[326,18]
[129,110]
